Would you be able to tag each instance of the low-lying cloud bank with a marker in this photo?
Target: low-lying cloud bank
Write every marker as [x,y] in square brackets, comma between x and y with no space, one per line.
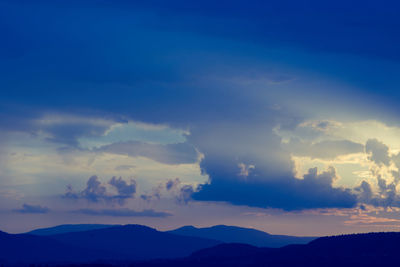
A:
[27,208]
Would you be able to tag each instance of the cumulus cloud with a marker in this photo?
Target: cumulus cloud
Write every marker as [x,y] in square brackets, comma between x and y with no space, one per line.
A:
[387,178]
[365,192]
[96,191]
[379,152]
[123,213]
[180,153]
[323,149]
[185,194]
[172,183]
[124,189]
[181,192]
[155,194]
[27,208]
[272,183]
[387,196]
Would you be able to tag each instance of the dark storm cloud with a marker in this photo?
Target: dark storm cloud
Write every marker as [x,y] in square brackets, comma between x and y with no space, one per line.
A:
[68,64]
[180,153]
[123,213]
[27,208]
[270,183]
[177,63]
[283,22]
[287,193]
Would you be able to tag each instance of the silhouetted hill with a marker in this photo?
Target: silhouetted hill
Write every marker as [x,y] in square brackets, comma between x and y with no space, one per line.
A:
[373,249]
[69,228]
[120,243]
[141,246]
[234,234]
[367,245]
[231,250]
[136,242]
[24,248]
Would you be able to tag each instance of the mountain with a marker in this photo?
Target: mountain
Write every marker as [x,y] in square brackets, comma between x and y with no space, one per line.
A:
[367,250]
[25,248]
[119,243]
[69,228]
[141,246]
[233,234]
[226,234]
[135,242]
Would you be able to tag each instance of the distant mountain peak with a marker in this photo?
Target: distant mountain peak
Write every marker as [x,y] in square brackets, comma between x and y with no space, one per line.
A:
[69,228]
[188,227]
[3,233]
[134,227]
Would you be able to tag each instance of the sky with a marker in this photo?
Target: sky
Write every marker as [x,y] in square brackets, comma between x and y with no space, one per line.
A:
[276,115]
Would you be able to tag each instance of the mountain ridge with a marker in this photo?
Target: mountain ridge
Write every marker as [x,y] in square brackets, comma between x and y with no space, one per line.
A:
[143,246]
[127,243]
[366,250]
[69,228]
[235,234]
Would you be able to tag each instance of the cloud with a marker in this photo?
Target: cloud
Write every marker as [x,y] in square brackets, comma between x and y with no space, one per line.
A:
[245,169]
[66,129]
[379,152]
[124,189]
[386,196]
[172,183]
[357,219]
[180,153]
[124,167]
[387,179]
[182,193]
[123,213]
[272,182]
[96,191]
[150,83]
[287,193]
[185,194]
[365,192]
[27,208]
[154,195]
[323,149]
